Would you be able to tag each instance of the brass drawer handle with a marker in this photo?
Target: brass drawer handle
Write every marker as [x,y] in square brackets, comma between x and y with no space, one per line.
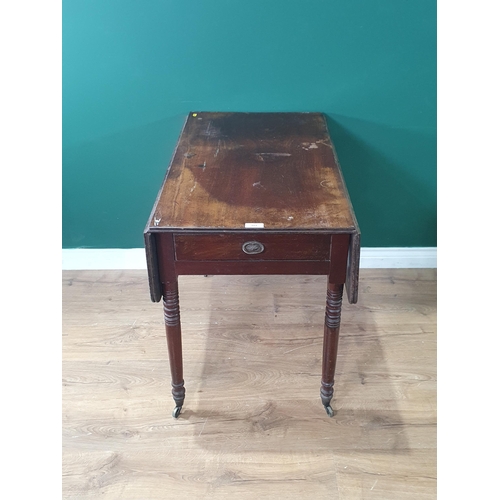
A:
[252,247]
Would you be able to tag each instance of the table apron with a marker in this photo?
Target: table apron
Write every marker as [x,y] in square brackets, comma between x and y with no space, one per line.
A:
[163,266]
[253,267]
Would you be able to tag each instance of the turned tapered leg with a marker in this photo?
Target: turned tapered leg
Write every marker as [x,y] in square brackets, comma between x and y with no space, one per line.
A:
[174,343]
[330,343]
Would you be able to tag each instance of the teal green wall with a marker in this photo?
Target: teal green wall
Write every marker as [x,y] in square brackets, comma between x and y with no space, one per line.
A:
[132,70]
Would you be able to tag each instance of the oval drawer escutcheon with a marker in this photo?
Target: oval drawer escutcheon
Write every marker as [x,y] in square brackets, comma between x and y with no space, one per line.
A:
[252,247]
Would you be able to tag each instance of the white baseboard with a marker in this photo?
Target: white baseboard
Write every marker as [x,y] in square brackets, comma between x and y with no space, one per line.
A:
[135,258]
[398,257]
[103,258]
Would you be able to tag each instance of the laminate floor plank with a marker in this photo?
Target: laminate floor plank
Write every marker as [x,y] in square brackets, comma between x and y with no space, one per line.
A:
[252,425]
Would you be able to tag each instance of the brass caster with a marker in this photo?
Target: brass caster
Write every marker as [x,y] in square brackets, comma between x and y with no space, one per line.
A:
[329,411]
[177,411]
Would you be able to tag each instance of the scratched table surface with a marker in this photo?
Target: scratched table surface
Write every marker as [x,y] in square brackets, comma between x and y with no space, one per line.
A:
[278,170]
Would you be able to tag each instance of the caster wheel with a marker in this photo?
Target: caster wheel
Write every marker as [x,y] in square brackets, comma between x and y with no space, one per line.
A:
[329,411]
[177,411]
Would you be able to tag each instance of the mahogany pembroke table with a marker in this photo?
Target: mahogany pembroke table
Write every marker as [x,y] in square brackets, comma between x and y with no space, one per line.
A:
[253,193]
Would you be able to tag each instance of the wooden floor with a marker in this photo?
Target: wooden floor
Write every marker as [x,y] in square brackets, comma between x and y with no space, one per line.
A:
[252,425]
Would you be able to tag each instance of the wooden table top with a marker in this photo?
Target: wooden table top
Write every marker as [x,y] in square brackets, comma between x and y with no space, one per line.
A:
[278,170]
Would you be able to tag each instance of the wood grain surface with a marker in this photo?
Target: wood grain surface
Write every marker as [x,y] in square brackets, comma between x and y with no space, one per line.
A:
[253,425]
[278,169]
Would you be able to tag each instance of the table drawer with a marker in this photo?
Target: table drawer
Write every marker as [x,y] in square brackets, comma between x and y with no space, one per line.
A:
[252,246]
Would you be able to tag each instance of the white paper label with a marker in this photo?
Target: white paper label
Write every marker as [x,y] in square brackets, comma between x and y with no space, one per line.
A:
[254,224]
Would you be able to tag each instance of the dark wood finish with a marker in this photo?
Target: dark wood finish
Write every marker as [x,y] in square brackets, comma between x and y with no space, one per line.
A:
[235,168]
[152,264]
[224,246]
[253,267]
[339,249]
[330,341]
[231,171]
[352,277]
[174,341]
[165,254]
